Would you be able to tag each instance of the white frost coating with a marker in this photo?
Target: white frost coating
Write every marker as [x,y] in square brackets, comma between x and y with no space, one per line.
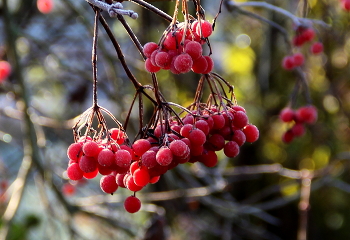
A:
[113,9]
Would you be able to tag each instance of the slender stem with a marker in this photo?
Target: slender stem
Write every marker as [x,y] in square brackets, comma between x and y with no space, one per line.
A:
[94,56]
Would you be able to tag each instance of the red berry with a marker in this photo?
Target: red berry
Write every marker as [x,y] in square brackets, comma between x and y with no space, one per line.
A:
[119,179]
[288,63]
[240,119]
[170,42]
[178,148]
[91,175]
[251,132]
[210,64]
[183,63]
[231,149]
[45,6]
[162,59]
[287,114]
[74,172]
[117,134]
[106,157]
[345,5]
[150,67]
[186,129]
[123,158]
[87,164]
[209,159]
[197,137]
[298,59]
[317,47]
[149,48]
[149,159]
[164,156]
[130,184]
[74,151]
[132,204]
[308,34]
[194,49]
[307,114]
[216,141]
[202,125]
[91,149]
[200,65]
[141,146]
[141,177]
[108,184]
[288,137]
[5,70]
[154,179]
[205,26]
[239,137]
[219,121]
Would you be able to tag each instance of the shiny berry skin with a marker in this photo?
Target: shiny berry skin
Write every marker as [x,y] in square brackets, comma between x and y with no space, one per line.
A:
[251,132]
[287,114]
[132,204]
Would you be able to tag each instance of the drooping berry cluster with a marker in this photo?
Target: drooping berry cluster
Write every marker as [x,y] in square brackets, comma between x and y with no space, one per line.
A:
[299,117]
[180,50]
[303,36]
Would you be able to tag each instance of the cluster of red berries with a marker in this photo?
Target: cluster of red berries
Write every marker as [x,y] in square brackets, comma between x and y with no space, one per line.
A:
[303,35]
[180,51]
[5,70]
[345,5]
[300,117]
[195,138]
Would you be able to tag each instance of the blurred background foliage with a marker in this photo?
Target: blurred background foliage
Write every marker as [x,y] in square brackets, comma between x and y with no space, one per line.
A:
[256,195]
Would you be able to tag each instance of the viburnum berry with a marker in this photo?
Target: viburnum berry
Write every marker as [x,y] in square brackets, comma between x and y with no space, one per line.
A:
[298,59]
[210,64]
[45,6]
[239,137]
[132,204]
[209,159]
[197,137]
[345,5]
[216,141]
[122,158]
[130,184]
[141,146]
[317,47]
[149,48]
[219,121]
[150,67]
[183,63]
[91,149]
[74,172]
[178,148]
[119,179]
[106,157]
[162,59]
[200,65]
[231,149]
[251,132]
[287,114]
[108,184]
[240,119]
[148,159]
[5,70]
[288,63]
[203,28]
[141,177]
[288,136]
[117,135]
[307,114]
[202,125]
[164,156]
[87,164]
[91,175]
[194,49]
[75,151]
